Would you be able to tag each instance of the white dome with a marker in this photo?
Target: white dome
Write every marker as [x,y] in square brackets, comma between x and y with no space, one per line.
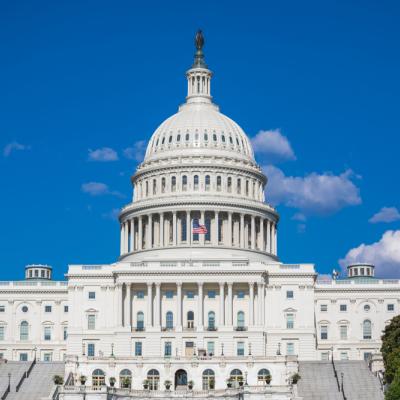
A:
[199,128]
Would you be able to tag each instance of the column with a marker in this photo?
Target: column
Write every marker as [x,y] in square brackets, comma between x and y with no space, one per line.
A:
[174,235]
[200,306]
[261,244]
[216,226]
[268,236]
[157,310]
[149,316]
[221,304]
[126,236]
[161,229]
[140,233]
[251,304]
[229,236]
[127,305]
[241,230]
[230,303]
[122,239]
[132,246]
[188,228]
[276,240]
[149,243]
[260,288]
[253,233]
[202,222]
[272,237]
[179,306]
[119,305]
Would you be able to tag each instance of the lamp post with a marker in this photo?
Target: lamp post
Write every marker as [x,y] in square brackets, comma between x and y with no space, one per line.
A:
[278,352]
[249,349]
[222,349]
[9,380]
[342,376]
[245,378]
[35,351]
[112,349]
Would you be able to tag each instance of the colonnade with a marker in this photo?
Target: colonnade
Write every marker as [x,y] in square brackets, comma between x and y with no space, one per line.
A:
[254,309]
[231,229]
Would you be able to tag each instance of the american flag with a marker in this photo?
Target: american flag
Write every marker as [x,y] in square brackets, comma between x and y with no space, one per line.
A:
[198,228]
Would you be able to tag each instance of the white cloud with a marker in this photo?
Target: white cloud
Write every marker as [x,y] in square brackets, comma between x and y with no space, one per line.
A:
[386,214]
[104,154]
[274,145]
[313,194]
[113,214]
[99,189]
[299,217]
[136,152]
[384,254]
[10,147]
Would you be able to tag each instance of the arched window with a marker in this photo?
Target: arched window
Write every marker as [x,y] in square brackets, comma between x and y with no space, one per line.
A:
[162,185]
[208,379]
[183,229]
[240,320]
[196,182]
[236,378]
[147,188]
[170,139]
[239,186]
[163,140]
[184,183]
[154,187]
[230,140]
[140,321]
[125,378]
[367,329]
[211,321]
[264,376]
[190,319]
[208,181]
[24,331]
[214,137]
[229,184]
[173,183]
[153,377]
[223,138]
[98,378]
[169,320]
[219,183]
[187,137]
[178,138]
[247,188]
[206,137]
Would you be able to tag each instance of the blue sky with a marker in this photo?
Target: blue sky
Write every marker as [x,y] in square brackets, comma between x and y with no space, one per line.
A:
[319,80]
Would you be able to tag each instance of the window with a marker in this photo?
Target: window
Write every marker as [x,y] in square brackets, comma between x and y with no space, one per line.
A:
[190,319]
[183,230]
[92,295]
[229,184]
[190,294]
[325,356]
[208,180]
[154,379]
[125,378]
[236,377]
[24,331]
[390,307]
[343,307]
[240,294]
[207,236]
[2,308]
[211,294]
[163,185]
[24,309]
[98,378]
[184,183]
[169,318]
[324,307]
[208,379]
[140,294]
[210,348]
[219,183]
[196,182]
[289,294]
[65,333]
[367,307]
[47,308]
[23,356]
[154,187]
[343,332]
[367,329]
[42,273]
[290,349]
[344,356]
[240,349]
[138,349]
[170,139]
[289,321]
[324,332]
[140,321]
[47,333]
[47,357]
[240,319]
[65,309]
[91,319]
[214,137]
[173,184]
[167,349]
[205,137]
[264,376]
[238,186]
[169,294]
[211,320]
[2,330]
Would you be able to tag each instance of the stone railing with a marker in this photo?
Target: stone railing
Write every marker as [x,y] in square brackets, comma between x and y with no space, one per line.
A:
[33,283]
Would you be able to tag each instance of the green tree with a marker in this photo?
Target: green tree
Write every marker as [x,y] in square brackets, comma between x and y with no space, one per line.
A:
[393,393]
[391,350]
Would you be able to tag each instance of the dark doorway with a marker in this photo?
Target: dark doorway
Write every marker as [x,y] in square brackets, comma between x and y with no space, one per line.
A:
[180,379]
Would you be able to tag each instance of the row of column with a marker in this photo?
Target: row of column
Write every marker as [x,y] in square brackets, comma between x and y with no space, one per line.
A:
[175,228]
[225,318]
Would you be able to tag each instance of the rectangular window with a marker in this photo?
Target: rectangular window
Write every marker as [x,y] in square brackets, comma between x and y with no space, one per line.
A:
[140,294]
[324,307]
[289,321]
[138,349]
[289,294]
[2,308]
[2,330]
[324,332]
[390,307]
[190,295]
[47,357]
[23,356]
[344,355]
[325,356]
[90,350]
[168,349]
[240,349]
[290,349]
[343,307]
[65,333]
[47,333]
[65,309]
[210,348]
[47,308]
[169,294]
[343,332]
[211,294]
[92,295]
[91,322]
[240,294]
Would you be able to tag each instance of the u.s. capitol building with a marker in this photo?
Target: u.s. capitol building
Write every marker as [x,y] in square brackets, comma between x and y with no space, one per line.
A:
[198,296]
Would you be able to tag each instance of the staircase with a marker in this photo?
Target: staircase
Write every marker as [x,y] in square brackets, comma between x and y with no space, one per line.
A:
[318,381]
[16,369]
[359,383]
[39,384]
